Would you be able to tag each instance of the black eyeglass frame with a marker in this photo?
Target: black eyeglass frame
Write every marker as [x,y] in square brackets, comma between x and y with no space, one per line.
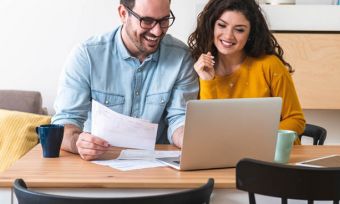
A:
[154,21]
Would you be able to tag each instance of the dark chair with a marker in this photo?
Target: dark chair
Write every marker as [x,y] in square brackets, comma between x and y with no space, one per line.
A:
[198,195]
[287,181]
[316,132]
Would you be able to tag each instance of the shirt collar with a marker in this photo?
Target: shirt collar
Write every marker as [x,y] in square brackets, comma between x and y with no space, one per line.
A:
[124,51]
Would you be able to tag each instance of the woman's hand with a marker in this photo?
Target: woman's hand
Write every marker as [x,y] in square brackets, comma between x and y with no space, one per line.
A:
[205,66]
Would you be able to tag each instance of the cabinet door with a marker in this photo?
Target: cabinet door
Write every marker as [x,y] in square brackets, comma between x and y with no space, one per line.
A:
[316,60]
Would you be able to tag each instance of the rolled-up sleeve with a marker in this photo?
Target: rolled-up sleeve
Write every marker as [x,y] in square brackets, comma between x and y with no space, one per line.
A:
[185,89]
[73,100]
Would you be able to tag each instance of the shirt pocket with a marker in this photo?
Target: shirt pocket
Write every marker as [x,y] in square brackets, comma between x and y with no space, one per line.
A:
[160,99]
[113,101]
[155,105]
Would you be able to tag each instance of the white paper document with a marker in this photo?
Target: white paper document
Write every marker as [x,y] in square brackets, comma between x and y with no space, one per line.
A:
[134,154]
[126,165]
[137,159]
[121,130]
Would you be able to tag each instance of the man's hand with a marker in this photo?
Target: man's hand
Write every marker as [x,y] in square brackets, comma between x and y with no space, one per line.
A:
[91,147]
[177,137]
[88,146]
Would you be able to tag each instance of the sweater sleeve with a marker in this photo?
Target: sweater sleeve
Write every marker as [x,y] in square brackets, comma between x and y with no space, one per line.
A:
[282,85]
[208,89]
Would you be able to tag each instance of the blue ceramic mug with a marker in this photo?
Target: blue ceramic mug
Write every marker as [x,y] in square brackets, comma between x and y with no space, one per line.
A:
[50,137]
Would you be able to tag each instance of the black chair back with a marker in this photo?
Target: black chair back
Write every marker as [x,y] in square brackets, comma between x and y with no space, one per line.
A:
[318,133]
[287,181]
[196,196]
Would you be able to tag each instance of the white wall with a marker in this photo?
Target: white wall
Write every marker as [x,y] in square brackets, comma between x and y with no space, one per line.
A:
[37,35]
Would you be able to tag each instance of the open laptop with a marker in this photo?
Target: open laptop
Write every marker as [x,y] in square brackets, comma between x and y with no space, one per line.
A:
[220,132]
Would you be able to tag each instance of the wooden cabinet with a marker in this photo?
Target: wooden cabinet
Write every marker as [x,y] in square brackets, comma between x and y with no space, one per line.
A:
[316,60]
[310,38]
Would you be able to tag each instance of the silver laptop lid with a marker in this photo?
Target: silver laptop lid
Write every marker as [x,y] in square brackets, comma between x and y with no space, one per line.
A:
[219,132]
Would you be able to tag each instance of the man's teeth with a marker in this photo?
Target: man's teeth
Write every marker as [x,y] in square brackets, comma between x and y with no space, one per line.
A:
[151,38]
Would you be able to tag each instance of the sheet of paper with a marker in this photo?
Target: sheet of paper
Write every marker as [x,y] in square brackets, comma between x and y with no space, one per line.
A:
[126,165]
[325,161]
[131,159]
[121,130]
[131,154]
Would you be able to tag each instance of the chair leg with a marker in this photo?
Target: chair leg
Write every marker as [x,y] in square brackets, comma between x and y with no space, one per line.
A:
[284,200]
[252,198]
[336,202]
[310,202]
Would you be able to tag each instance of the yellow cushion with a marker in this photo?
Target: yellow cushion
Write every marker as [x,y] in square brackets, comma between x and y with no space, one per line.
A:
[17,134]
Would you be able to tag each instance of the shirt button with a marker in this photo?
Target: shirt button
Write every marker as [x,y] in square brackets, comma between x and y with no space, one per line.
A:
[162,101]
[106,102]
[139,70]
[137,93]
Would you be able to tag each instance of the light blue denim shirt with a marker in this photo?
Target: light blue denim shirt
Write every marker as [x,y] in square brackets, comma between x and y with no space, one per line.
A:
[102,69]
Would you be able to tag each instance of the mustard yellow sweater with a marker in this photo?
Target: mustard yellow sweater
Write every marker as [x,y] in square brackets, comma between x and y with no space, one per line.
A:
[260,77]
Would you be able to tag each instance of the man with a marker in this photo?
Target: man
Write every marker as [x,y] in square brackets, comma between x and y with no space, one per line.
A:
[136,70]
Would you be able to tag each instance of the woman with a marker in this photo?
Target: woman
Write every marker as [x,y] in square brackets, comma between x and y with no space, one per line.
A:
[238,57]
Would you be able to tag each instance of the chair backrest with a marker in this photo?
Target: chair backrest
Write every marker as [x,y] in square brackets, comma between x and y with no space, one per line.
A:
[287,181]
[198,195]
[316,132]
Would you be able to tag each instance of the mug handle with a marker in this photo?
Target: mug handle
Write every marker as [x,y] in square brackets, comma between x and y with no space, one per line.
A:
[37,131]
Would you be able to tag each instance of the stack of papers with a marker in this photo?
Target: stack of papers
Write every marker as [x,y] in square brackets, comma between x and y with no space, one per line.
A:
[128,132]
[132,159]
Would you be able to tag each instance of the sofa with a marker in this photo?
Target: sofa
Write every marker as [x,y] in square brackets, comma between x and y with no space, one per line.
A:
[24,101]
[20,113]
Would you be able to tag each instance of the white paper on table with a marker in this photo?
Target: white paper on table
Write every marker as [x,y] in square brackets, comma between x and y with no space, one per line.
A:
[125,165]
[131,159]
[134,154]
[121,130]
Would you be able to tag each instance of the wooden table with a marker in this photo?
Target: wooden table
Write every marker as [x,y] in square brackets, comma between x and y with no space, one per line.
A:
[70,175]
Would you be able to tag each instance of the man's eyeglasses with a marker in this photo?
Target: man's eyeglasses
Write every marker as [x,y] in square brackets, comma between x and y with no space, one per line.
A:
[149,23]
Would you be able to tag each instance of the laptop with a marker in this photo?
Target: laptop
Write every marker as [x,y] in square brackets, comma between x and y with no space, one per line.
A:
[220,132]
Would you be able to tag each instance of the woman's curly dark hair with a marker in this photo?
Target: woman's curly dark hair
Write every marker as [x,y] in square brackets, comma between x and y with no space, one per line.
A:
[261,41]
